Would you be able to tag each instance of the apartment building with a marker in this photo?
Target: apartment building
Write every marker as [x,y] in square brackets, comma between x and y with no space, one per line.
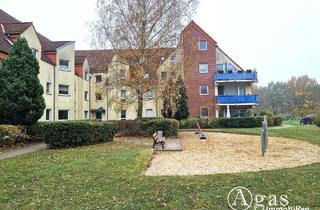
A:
[217,86]
[74,81]
[63,85]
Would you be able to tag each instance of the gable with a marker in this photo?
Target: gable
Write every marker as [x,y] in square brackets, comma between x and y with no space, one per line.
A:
[193,26]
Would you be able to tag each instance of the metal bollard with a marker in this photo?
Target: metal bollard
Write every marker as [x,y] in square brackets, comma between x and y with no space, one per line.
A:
[264,136]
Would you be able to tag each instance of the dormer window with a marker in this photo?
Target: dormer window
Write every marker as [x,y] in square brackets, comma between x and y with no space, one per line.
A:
[123,94]
[98,78]
[203,45]
[122,73]
[34,52]
[86,75]
[173,58]
[64,65]
[149,94]
[146,75]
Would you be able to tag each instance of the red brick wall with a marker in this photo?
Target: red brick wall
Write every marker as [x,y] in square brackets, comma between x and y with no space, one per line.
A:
[191,36]
[79,71]
[52,56]
[3,56]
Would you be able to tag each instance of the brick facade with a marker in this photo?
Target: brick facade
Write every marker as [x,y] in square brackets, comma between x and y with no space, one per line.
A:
[191,36]
[3,55]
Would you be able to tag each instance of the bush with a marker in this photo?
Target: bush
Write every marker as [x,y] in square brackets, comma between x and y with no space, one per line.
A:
[266,112]
[168,126]
[128,127]
[146,119]
[36,131]
[246,122]
[191,123]
[73,133]
[11,135]
[236,122]
[276,121]
[317,120]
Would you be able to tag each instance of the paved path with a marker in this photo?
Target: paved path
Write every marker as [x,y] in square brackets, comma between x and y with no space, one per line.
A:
[22,151]
[171,145]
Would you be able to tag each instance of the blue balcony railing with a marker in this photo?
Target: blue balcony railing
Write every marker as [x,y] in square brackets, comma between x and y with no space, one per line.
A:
[248,99]
[236,76]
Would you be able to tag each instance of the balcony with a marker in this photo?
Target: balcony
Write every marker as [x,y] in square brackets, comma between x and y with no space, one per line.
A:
[238,76]
[242,99]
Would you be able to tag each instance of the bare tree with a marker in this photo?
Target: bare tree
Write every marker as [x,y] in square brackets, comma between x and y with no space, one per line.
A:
[143,34]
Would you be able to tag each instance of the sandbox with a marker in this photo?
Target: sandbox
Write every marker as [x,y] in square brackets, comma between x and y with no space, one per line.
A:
[231,153]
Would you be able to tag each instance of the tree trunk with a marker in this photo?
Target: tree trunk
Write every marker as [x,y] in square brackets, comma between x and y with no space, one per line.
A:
[140,104]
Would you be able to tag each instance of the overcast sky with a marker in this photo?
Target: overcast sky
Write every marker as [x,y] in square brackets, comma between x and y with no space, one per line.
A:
[280,38]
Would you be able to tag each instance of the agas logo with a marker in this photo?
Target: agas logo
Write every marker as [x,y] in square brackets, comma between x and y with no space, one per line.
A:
[240,198]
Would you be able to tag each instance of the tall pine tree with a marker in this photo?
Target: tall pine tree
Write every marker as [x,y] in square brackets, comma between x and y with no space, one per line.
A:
[21,100]
[182,109]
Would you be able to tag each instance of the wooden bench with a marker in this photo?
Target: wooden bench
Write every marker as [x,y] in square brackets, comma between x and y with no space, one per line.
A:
[157,139]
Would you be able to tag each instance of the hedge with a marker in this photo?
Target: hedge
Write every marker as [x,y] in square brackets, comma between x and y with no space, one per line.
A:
[245,122]
[72,133]
[146,126]
[11,135]
[128,127]
[169,127]
[317,120]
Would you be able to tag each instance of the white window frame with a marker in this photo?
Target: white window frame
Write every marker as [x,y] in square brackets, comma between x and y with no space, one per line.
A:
[164,73]
[146,76]
[124,96]
[173,58]
[149,94]
[121,118]
[86,95]
[97,93]
[64,67]
[200,45]
[98,75]
[67,110]
[201,116]
[202,94]
[35,52]
[123,74]
[86,75]
[50,114]
[64,94]
[203,71]
[48,88]
[86,115]
[153,115]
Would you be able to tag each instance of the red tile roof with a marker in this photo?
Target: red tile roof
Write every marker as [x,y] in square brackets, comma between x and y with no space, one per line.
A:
[53,46]
[15,28]
[43,38]
[5,45]
[79,60]
[99,60]
[6,18]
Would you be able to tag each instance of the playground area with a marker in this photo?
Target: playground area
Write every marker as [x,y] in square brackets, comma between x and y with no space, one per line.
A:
[231,153]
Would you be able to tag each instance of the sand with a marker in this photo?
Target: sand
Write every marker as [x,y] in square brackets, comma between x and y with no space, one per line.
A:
[231,153]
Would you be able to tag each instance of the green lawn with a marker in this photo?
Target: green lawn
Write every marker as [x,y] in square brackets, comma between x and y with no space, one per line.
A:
[310,133]
[109,176]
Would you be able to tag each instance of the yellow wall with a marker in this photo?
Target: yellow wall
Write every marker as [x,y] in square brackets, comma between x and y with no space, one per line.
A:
[66,102]
[46,69]
[81,85]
